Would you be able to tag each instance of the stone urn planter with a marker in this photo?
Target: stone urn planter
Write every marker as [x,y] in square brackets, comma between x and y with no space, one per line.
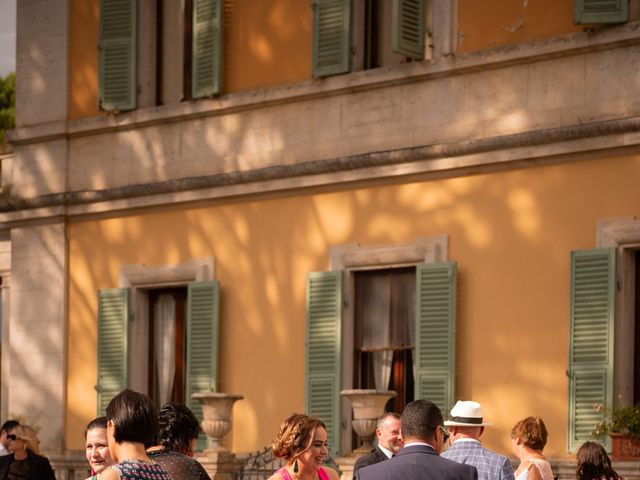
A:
[216,412]
[624,448]
[367,406]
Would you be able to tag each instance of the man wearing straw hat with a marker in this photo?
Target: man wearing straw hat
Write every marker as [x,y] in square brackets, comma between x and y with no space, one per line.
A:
[466,425]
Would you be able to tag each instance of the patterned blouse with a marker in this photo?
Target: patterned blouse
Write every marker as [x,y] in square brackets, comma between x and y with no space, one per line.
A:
[179,466]
[132,470]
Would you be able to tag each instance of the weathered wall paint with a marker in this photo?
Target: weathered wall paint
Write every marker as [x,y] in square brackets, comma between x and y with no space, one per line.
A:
[510,232]
[505,22]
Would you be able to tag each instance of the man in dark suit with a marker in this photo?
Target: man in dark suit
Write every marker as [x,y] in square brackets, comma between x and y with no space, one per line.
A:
[389,441]
[424,437]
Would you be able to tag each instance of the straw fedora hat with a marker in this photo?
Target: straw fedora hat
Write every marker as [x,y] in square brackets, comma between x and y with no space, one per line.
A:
[466,414]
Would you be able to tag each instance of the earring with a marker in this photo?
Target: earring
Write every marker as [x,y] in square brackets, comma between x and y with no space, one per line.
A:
[295,466]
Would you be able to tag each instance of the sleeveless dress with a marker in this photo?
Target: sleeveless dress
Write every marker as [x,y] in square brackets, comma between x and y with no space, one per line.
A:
[128,470]
[543,467]
[322,474]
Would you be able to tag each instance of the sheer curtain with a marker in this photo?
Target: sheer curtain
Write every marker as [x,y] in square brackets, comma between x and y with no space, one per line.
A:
[386,318]
[164,345]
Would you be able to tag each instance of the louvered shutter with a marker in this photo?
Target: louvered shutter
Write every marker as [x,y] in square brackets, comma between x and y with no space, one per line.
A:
[435,333]
[207,48]
[324,324]
[331,37]
[118,33]
[408,28]
[113,327]
[203,304]
[601,11]
[591,340]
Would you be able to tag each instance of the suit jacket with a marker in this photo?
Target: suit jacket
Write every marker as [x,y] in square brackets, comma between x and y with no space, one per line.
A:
[39,467]
[418,462]
[490,465]
[374,456]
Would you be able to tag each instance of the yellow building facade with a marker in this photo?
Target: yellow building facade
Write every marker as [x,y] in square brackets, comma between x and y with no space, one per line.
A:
[510,143]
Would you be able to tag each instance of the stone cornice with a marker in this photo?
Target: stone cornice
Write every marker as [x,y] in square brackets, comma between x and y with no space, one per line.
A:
[557,47]
[531,146]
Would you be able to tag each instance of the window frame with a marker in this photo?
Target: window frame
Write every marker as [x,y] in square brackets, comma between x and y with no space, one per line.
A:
[623,234]
[350,258]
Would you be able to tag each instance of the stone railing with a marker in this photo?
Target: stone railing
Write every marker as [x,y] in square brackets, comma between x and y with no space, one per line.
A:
[71,465]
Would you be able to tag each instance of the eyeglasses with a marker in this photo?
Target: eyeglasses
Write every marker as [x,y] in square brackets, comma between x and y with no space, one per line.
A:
[11,436]
[445,434]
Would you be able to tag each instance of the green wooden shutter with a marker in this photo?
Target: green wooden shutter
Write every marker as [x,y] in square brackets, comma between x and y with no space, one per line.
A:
[113,327]
[324,325]
[118,34]
[435,333]
[207,48]
[600,11]
[591,340]
[331,37]
[203,304]
[408,28]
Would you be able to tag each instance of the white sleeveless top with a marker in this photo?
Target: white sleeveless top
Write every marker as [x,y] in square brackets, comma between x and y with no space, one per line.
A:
[543,467]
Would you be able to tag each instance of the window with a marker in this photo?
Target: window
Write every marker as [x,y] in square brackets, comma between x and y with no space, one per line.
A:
[166,345]
[604,330]
[336,355]
[381,32]
[159,340]
[153,53]
[384,332]
[599,11]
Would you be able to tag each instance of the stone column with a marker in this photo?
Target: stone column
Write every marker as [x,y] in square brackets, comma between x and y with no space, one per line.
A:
[37,328]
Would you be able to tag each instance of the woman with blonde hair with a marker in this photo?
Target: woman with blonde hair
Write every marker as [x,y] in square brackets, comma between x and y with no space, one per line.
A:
[302,442]
[25,461]
[528,438]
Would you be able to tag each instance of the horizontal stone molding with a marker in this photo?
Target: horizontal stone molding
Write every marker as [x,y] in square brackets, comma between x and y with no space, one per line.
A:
[591,40]
[356,163]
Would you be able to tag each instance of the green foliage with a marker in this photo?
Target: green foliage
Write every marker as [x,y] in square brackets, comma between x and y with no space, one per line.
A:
[625,420]
[7,104]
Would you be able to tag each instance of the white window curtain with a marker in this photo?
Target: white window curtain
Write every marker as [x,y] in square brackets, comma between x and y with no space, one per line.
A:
[164,345]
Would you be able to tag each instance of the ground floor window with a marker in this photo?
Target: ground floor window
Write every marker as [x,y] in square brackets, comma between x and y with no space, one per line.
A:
[384,332]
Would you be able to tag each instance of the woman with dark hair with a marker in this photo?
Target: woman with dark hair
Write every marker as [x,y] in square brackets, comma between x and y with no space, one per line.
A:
[132,426]
[179,430]
[302,442]
[528,438]
[594,463]
[25,461]
[96,446]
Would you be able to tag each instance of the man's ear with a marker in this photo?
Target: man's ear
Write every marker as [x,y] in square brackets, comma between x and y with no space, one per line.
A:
[481,431]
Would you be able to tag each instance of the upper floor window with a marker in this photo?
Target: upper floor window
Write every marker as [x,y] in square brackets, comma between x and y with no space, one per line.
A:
[361,34]
[153,53]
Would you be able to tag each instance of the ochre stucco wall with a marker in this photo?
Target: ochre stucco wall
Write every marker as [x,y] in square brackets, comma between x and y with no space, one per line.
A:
[505,22]
[266,43]
[83,58]
[511,234]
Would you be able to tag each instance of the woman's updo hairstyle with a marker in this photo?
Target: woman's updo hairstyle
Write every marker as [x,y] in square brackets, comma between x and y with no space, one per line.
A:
[532,432]
[295,435]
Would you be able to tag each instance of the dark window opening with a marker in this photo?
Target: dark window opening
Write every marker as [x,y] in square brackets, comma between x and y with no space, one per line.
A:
[167,345]
[376,44]
[636,363]
[384,332]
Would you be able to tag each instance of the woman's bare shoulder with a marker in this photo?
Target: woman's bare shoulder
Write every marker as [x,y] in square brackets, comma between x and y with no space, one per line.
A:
[333,475]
